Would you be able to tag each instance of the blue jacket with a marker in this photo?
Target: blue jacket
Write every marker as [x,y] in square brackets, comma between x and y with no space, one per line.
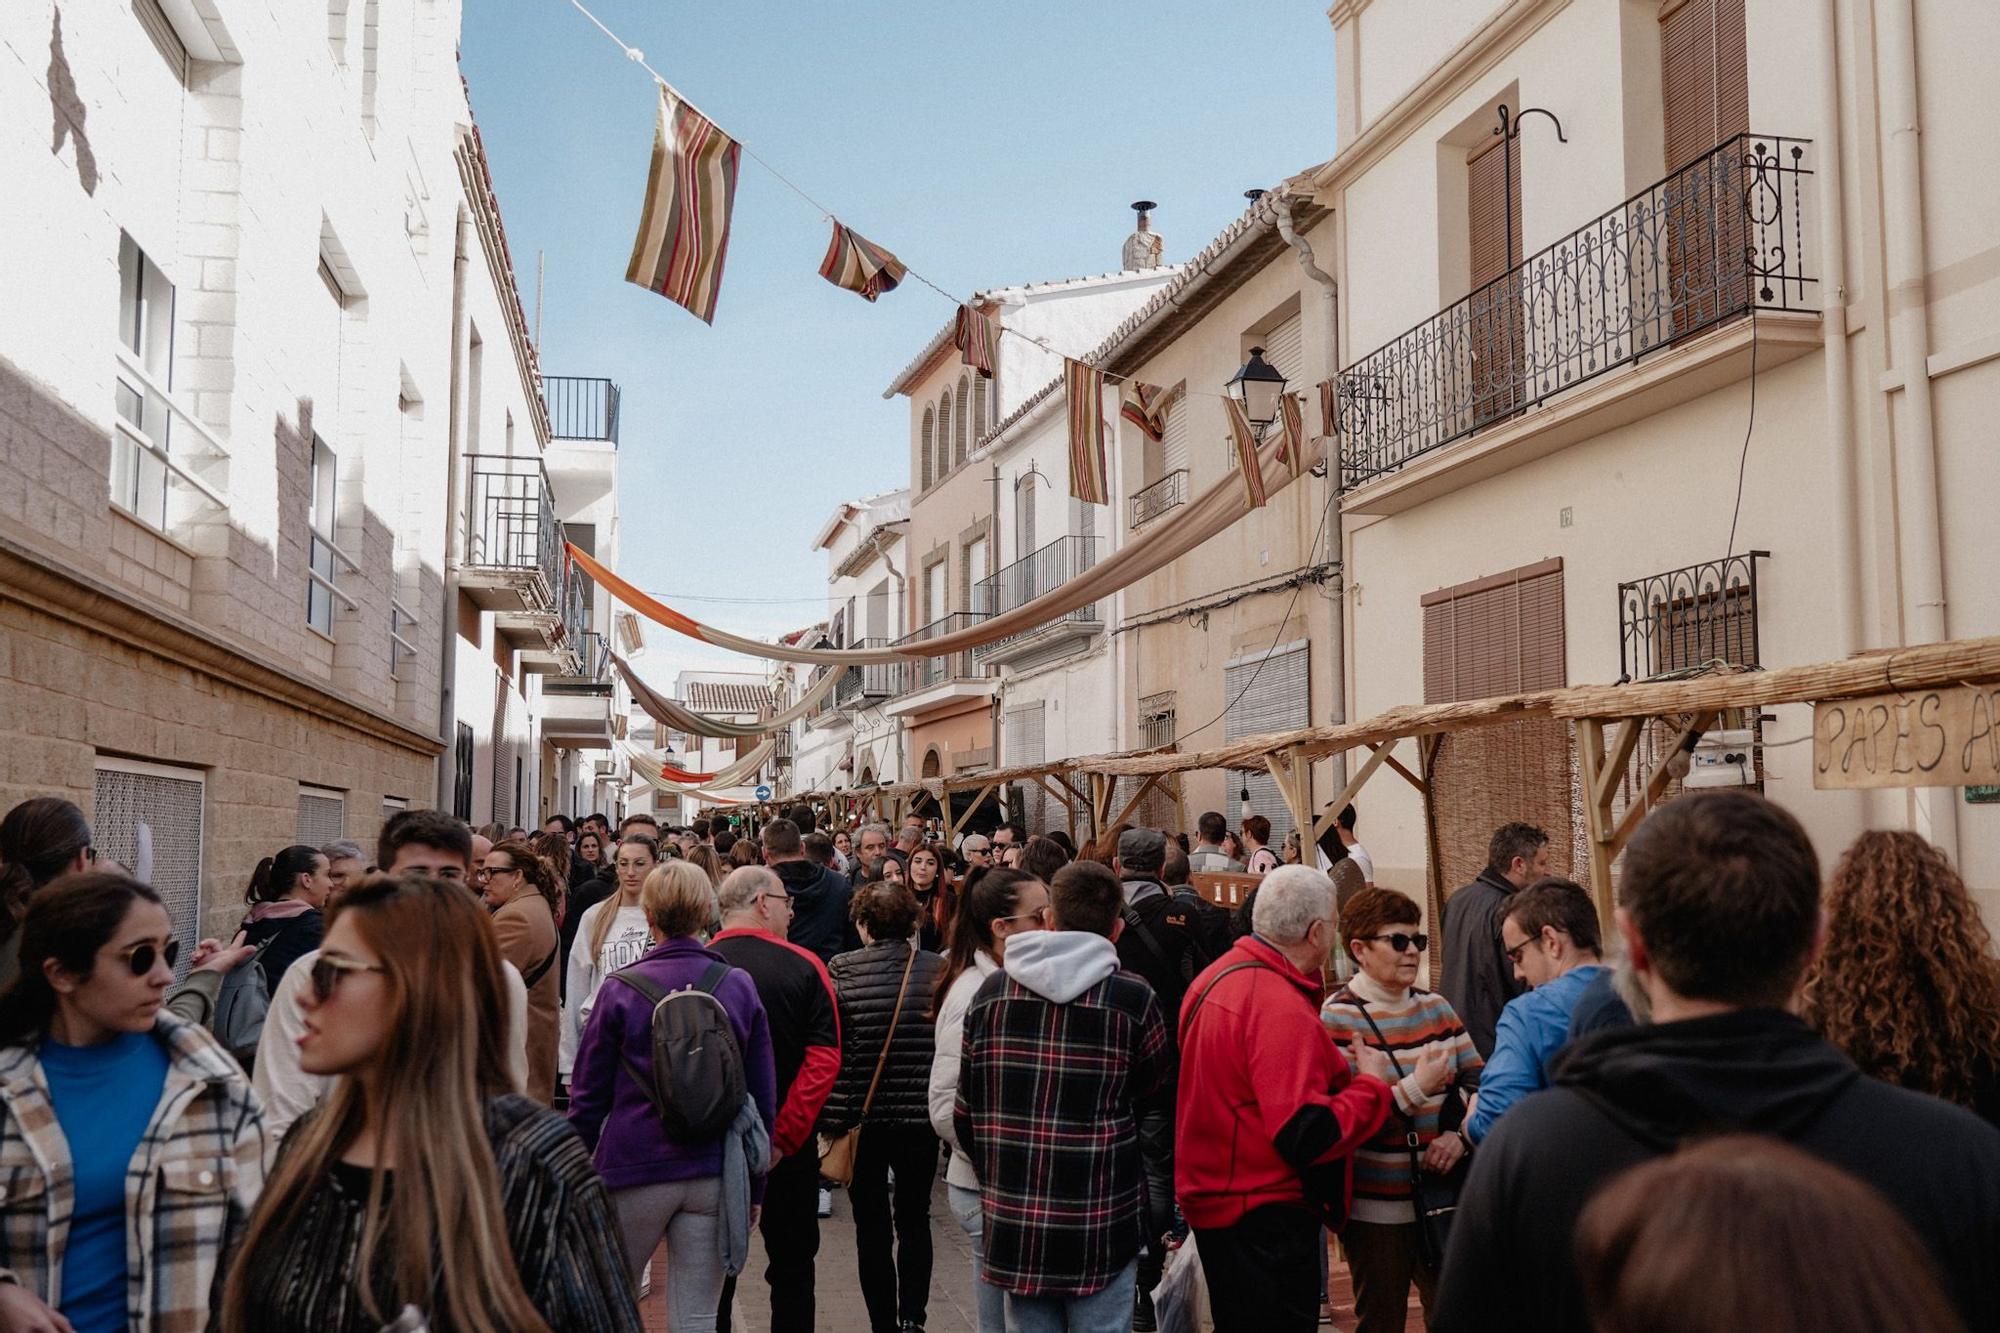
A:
[1532,1028]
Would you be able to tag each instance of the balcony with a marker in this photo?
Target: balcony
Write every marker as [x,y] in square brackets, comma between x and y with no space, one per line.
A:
[577,705]
[1169,492]
[926,683]
[581,408]
[1657,276]
[866,686]
[1028,578]
[514,563]
[1687,619]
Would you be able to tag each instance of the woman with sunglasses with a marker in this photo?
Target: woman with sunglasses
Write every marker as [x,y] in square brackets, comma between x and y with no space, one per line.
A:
[998,905]
[287,897]
[40,839]
[131,1144]
[612,934]
[521,890]
[1380,1006]
[422,1182]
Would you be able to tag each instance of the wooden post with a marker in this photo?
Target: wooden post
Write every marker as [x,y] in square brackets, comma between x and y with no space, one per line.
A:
[1597,811]
[956,824]
[1137,797]
[1379,757]
[1284,767]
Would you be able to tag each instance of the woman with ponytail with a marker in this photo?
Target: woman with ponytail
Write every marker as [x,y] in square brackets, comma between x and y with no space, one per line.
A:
[131,1144]
[287,896]
[39,840]
[421,1182]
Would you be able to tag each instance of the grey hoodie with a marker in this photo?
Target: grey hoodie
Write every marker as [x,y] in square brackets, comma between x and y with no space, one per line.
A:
[1060,965]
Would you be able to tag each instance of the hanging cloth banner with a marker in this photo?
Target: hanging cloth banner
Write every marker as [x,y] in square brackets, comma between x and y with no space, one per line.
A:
[1204,516]
[858,264]
[977,338]
[649,765]
[1084,385]
[690,194]
[1292,438]
[1328,412]
[1245,442]
[1145,406]
[668,713]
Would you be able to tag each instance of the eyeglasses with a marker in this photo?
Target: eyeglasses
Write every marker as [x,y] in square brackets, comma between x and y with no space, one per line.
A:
[1399,941]
[1514,954]
[328,971]
[141,957]
[488,872]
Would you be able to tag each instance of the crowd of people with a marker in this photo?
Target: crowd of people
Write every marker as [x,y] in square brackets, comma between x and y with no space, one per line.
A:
[476,1079]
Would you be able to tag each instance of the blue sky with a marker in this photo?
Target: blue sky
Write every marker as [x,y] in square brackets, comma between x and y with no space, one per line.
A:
[985,145]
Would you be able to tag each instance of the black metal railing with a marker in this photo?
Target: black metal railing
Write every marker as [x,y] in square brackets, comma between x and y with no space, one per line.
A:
[923,672]
[874,680]
[1689,618]
[581,407]
[1037,574]
[594,654]
[1169,492]
[510,522]
[1722,236]
[576,597]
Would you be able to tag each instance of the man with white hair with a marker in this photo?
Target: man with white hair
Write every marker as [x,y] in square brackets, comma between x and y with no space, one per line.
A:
[1268,1111]
[870,848]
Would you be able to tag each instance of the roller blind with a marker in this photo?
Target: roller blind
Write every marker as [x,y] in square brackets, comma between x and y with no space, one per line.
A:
[1704,76]
[1284,349]
[1174,448]
[1494,636]
[1274,697]
[1024,733]
[1489,206]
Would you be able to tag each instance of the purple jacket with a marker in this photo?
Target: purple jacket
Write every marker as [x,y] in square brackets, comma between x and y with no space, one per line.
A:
[610,1110]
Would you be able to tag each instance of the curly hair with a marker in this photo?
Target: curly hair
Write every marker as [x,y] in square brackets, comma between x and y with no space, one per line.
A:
[1908,985]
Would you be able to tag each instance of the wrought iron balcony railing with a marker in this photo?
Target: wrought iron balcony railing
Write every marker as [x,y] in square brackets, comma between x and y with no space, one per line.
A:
[876,680]
[922,673]
[1688,618]
[510,522]
[576,597]
[594,656]
[1026,579]
[1169,492]
[581,408]
[1722,236]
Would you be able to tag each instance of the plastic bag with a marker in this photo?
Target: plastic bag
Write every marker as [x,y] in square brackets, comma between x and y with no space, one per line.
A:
[1177,1300]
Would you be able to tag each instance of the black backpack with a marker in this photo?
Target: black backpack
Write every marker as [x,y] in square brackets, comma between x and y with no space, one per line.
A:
[697,1085]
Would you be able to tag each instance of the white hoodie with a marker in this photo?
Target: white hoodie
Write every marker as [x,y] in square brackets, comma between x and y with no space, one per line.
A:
[1060,965]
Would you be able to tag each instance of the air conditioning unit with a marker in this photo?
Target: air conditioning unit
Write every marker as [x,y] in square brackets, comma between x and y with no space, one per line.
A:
[1723,759]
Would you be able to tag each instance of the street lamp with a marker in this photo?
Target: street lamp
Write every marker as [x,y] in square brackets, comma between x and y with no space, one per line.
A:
[1258,386]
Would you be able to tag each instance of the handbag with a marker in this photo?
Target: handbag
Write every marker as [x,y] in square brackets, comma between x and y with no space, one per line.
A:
[836,1151]
[1433,1197]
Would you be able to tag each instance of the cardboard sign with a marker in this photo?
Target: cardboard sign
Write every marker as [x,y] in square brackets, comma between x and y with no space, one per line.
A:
[1945,737]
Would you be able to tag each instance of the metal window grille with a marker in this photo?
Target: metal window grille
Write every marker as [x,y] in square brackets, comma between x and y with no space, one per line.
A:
[160,808]
[322,816]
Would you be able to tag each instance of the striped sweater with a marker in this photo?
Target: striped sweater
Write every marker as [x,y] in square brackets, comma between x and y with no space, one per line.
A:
[1419,1019]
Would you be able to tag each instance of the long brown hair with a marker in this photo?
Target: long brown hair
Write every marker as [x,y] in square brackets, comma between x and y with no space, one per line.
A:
[535,868]
[1748,1232]
[990,893]
[607,910]
[69,921]
[443,1057]
[39,840]
[1907,984]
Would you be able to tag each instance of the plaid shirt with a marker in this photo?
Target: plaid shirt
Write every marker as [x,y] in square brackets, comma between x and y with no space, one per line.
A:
[1046,1111]
[189,1188]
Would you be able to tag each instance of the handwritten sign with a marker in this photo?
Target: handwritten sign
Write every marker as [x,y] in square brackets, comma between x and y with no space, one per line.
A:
[1946,737]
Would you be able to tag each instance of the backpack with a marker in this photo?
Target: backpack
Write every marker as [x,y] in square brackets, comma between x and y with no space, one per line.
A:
[241,1006]
[697,1085]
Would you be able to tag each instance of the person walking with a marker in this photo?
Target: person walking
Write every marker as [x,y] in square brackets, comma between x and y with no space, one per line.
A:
[614,933]
[936,900]
[589,861]
[1269,1112]
[661,1186]
[1061,1051]
[520,889]
[1720,913]
[1478,977]
[820,920]
[885,1066]
[803,1015]
[40,839]
[287,897]
[1907,983]
[1419,1145]
[423,1183]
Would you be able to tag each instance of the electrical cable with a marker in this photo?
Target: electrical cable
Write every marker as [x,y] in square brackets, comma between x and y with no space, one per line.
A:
[1743,462]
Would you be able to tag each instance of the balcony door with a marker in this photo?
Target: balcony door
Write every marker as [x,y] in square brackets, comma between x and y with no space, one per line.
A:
[977,567]
[1705,91]
[1494,332]
[934,593]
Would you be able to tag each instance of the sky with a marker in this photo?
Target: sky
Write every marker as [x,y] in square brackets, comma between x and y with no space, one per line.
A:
[986,145]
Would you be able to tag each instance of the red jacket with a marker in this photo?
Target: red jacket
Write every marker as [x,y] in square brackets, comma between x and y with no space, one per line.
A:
[1264,1094]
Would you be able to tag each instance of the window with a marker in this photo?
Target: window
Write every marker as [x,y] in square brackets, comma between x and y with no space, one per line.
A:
[944,435]
[145,372]
[1024,515]
[321,570]
[461,784]
[934,591]
[1705,95]
[148,818]
[402,623]
[322,815]
[977,392]
[974,573]
[1156,720]
[1284,348]
[1493,219]
[1266,692]
[1174,441]
[930,440]
[965,409]
[1494,636]
[1024,734]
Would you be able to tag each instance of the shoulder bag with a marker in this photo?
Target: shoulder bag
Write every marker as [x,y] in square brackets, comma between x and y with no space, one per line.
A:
[836,1152]
[1433,1197]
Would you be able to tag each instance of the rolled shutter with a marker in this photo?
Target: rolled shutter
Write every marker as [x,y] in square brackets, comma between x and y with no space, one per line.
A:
[1704,77]
[1496,636]
[1174,447]
[1276,696]
[1489,206]
[1284,349]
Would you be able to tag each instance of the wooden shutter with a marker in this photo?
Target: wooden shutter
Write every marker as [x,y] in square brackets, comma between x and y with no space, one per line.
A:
[964,420]
[1284,348]
[1490,206]
[930,434]
[1493,315]
[1704,76]
[1495,636]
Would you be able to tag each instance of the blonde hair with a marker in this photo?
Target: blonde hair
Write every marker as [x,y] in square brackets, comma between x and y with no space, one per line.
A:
[443,1056]
[679,899]
[607,911]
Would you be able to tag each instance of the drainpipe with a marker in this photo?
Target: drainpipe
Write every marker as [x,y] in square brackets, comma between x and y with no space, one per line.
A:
[1915,441]
[454,537]
[992,559]
[1337,623]
[902,729]
[1833,322]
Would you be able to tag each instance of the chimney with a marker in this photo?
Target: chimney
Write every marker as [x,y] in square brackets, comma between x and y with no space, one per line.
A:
[1253,195]
[1142,247]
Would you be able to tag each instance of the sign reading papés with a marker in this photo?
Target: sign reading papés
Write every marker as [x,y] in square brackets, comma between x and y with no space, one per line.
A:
[1945,737]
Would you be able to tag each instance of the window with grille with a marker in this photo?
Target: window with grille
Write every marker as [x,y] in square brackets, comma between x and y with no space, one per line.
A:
[148,818]
[1265,693]
[145,374]
[1156,721]
[322,816]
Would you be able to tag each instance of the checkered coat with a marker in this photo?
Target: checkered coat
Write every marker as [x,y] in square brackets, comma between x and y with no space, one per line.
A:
[188,1190]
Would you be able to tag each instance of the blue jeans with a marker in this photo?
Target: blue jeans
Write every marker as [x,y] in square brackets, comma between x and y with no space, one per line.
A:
[1105,1311]
[991,1301]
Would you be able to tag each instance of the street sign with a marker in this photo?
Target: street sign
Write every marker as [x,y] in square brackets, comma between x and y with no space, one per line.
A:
[1944,737]
[763,793]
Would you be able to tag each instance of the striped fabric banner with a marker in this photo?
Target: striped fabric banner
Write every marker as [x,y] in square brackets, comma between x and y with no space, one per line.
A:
[1247,462]
[1088,479]
[1329,414]
[690,193]
[1292,440]
[1145,406]
[977,338]
[858,264]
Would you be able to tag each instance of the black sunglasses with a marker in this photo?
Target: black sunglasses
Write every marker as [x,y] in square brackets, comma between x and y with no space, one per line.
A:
[327,973]
[1514,954]
[141,957]
[1400,941]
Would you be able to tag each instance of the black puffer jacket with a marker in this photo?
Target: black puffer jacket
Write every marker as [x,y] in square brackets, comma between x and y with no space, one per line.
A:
[866,981]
